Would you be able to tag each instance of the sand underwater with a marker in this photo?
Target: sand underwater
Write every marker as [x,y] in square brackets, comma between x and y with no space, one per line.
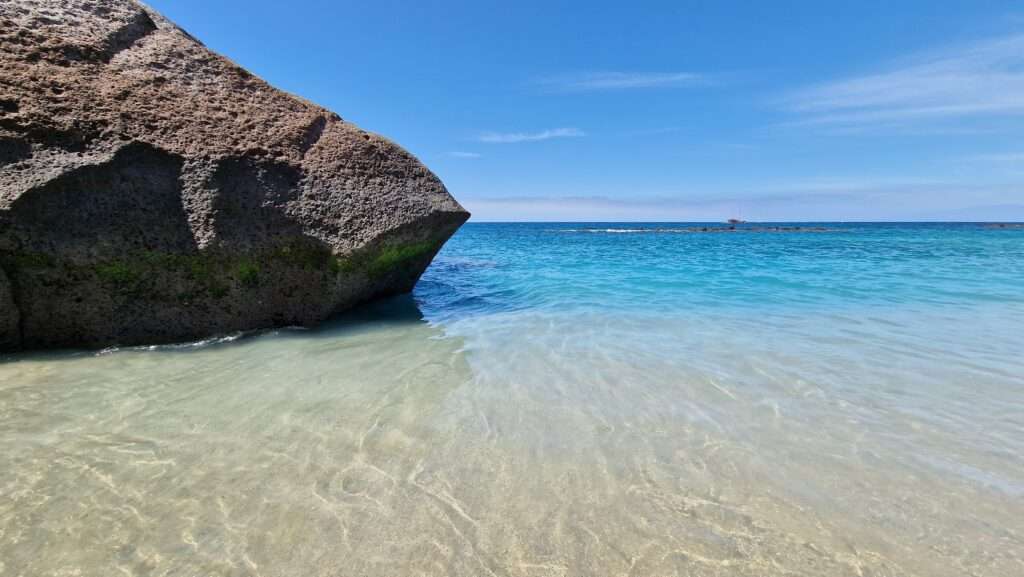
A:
[559,400]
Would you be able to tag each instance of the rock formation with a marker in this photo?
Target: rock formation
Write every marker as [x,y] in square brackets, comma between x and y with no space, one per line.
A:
[152,191]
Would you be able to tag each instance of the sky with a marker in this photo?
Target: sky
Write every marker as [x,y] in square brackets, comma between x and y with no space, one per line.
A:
[665,111]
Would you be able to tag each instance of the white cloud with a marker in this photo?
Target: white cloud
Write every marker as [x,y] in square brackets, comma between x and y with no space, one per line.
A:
[461,154]
[845,185]
[828,199]
[983,79]
[512,137]
[622,80]
[589,208]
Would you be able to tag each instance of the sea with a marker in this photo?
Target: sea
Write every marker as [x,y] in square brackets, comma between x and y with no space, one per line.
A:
[560,399]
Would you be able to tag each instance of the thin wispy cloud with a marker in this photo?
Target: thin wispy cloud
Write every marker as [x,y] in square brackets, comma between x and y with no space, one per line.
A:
[593,81]
[845,185]
[979,80]
[513,137]
[1009,164]
[461,154]
[825,200]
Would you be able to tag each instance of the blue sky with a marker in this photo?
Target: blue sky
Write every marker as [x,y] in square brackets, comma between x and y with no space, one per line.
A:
[781,110]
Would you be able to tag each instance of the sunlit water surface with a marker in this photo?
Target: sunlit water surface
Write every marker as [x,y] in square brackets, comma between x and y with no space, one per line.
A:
[563,400]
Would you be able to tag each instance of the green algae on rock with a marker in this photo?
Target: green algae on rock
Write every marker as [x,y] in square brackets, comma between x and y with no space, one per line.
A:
[152,191]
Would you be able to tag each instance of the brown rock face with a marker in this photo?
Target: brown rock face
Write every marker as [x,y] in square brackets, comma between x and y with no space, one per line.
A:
[153,191]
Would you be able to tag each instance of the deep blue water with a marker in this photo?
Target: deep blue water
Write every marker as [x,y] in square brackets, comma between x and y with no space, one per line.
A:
[673,268]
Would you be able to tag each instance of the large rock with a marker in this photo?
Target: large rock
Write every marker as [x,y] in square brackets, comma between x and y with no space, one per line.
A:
[153,191]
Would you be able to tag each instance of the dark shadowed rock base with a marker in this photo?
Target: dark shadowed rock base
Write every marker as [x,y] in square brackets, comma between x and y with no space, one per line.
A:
[10,331]
[152,191]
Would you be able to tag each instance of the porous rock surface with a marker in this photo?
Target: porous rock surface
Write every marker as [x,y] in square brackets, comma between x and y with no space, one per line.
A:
[153,191]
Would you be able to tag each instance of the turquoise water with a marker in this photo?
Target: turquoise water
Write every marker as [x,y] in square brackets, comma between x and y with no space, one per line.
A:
[560,399]
[673,269]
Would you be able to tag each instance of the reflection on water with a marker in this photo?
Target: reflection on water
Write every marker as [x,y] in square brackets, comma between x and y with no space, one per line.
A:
[495,438]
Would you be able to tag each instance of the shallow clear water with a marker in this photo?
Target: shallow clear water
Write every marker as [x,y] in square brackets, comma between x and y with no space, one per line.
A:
[560,400]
